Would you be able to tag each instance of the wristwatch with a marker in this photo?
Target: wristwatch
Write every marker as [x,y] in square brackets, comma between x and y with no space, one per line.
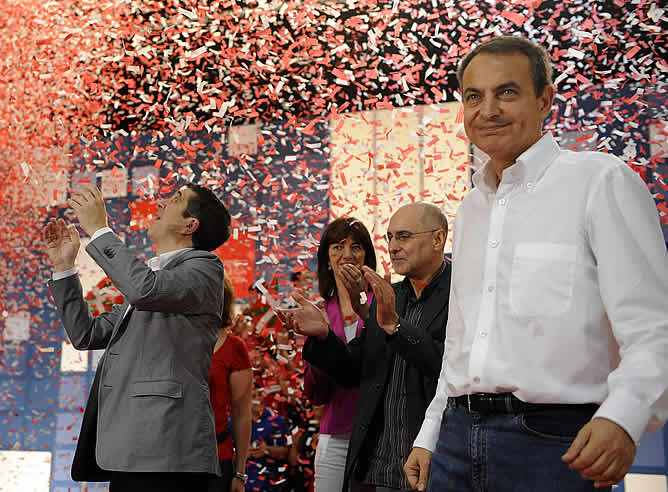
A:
[241,476]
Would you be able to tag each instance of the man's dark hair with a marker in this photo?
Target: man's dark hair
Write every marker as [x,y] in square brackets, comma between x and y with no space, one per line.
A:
[539,59]
[213,216]
[335,232]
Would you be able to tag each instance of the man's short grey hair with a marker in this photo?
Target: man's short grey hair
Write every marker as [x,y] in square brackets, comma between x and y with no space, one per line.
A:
[539,59]
[433,218]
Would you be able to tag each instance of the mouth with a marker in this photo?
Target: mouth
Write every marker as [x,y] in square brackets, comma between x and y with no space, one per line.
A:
[492,129]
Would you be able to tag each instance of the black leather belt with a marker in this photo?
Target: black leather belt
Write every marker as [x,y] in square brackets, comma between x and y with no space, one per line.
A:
[490,403]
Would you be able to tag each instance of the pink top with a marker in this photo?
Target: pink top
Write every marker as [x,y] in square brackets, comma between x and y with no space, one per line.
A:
[340,403]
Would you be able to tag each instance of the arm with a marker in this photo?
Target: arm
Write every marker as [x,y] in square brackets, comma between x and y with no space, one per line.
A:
[182,289]
[339,361]
[193,287]
[85,331]
[323,349]
[428,435]
[418,463]
[241,384]
[276,452]
[421,349]
[279,450]
[627,243]
[293,449]
[317,387]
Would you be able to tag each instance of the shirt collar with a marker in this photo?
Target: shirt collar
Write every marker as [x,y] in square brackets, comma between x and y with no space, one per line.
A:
[159,262]
[537,158]
[528,168]
[426,292]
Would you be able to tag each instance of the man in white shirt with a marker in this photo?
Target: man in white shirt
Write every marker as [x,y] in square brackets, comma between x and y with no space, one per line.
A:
[556,357]
[148,423]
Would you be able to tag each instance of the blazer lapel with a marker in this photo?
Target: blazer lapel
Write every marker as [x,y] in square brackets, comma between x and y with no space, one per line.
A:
[437,302]
[402,297]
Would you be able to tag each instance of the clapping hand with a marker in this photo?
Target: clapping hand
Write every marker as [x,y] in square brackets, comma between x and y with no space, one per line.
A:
[88,204]
[307,319]
[62,243]
[355,283]
[386,312]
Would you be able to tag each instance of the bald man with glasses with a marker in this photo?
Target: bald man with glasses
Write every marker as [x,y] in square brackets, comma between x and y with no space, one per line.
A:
[397,358]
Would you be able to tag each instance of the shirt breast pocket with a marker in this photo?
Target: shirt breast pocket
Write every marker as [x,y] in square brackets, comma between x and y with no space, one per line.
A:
[542,278]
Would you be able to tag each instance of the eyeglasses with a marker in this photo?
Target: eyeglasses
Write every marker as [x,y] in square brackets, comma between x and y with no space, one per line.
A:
[404,236]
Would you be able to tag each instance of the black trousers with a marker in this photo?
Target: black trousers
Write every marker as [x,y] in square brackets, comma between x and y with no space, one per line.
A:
[159,482]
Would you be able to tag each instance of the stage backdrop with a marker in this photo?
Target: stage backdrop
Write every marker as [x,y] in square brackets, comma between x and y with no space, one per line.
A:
[295,112]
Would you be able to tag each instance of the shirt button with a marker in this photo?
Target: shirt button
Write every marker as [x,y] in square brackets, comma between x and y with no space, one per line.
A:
[502,201]
[490,288]
[494,244]
[476,379]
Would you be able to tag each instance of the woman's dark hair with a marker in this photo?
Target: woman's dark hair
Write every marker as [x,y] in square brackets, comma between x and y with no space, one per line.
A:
[228,301]
[335,232]
[213,216]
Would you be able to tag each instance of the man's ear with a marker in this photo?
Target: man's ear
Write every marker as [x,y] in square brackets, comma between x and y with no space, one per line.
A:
[192,224]
[439,239]
[545,100]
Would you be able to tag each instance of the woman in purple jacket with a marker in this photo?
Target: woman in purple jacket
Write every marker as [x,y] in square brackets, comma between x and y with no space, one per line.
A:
[344,241]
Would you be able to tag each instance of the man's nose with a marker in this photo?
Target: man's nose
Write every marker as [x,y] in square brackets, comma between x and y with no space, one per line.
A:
[393,245]
[489,107]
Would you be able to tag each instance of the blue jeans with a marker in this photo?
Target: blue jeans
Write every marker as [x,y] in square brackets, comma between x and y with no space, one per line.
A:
[507,452]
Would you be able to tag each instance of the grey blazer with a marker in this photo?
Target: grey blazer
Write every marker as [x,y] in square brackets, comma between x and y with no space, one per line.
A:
[153,408]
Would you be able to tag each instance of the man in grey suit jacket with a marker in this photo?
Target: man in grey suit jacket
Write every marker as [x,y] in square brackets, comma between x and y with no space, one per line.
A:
[148,423]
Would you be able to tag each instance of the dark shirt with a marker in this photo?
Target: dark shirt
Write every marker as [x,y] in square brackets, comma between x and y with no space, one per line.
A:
[386,462]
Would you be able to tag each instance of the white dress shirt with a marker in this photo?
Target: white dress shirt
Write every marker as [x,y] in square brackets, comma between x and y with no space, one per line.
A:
[559,290]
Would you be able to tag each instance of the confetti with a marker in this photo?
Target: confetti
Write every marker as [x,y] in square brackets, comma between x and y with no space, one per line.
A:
[294,114]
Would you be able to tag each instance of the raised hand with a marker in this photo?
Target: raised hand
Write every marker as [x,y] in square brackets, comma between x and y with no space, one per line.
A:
[355,283]
[61,243]
[88,204]
[386,312]
[308,319]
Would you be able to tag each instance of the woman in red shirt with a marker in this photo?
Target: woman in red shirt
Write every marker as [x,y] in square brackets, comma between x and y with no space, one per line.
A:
[230,384]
